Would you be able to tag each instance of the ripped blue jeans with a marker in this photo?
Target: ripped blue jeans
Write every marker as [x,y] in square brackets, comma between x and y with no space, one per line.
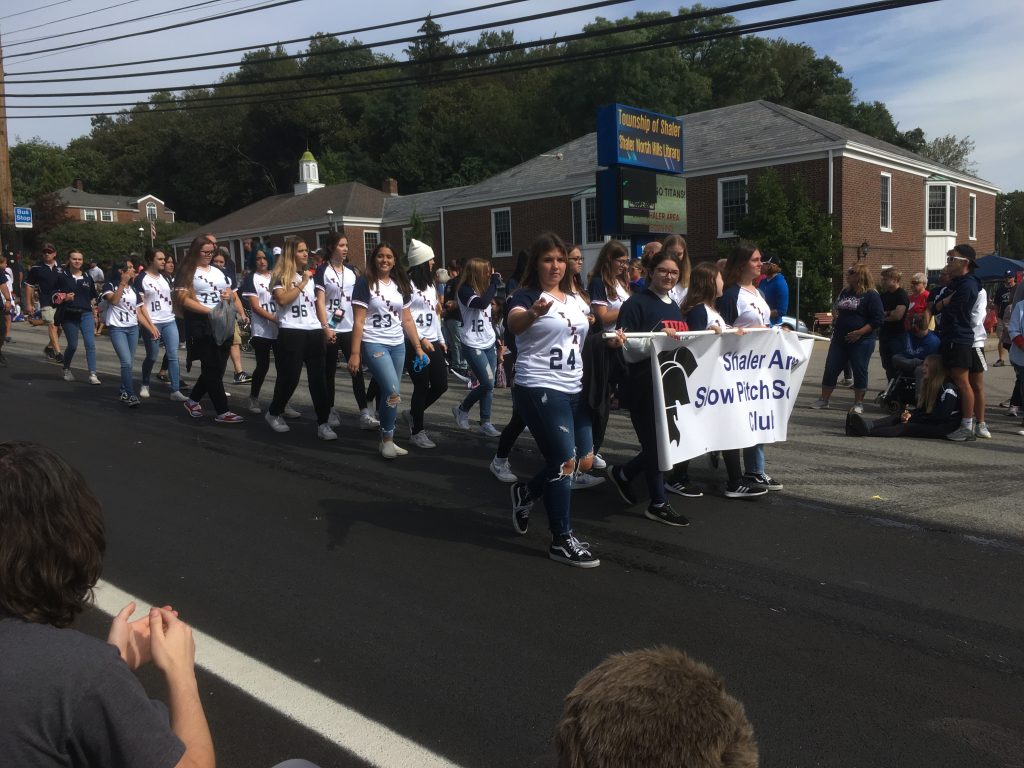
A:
[385,363]
[483,363]
[560,423]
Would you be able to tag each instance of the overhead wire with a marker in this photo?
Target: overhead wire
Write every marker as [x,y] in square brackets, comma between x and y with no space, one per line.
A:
[343,33]
[348,49]
[33,10]
[153,31]
[382,66]
[9,32]
[442,78]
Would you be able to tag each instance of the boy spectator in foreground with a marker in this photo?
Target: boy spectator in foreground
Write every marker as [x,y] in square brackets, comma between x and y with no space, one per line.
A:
[655,708]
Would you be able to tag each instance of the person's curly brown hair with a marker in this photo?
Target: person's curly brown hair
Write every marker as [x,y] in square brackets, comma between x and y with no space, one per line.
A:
[51,536]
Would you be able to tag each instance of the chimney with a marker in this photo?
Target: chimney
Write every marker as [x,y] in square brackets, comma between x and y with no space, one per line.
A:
[390,187]
[79,185]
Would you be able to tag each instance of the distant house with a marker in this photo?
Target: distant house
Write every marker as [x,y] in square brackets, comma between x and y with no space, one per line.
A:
[112,209]
[893,207]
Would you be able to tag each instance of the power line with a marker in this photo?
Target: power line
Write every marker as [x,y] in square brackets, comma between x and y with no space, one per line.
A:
[159,29]
[33,10]
[69,18]
[382,66]
[260,46]
[514,67]
[309,54]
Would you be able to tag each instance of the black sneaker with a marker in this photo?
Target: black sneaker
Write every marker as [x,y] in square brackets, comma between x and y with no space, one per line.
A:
[684,489]
[58,357]
[763,479]
[665,514]
[566,548]
[621,484]
[124,396]
[741,490]
[132,401]
[48,351]
[242,378]
[521,506]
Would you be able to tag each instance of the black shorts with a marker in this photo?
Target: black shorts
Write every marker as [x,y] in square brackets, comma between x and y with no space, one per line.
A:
[971,359]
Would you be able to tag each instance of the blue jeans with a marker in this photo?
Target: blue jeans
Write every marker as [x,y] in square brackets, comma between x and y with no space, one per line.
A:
[169,333]
[560,423]
[385,363]
[483,363]
[858,355]
[450,329]
[753,460]
[73,325]
[125,340]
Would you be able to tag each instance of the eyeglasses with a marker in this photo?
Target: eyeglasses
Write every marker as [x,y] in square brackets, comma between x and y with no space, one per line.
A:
[667,273]
[950,259]
[621,261]
[574,258]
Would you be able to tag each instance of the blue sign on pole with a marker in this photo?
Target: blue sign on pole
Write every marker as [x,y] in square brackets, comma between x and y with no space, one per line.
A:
[23,218]
[631,136]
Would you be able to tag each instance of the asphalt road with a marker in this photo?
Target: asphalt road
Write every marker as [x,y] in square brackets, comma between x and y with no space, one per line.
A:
[398,589]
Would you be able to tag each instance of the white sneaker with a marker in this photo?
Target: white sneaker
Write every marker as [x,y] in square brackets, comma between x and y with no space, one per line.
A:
[1013,412]
[461,417]
[582,481]
[819,404]
[324,432]
[93,378]
[487,429]
[502,470]
[399,450]
[332,419]
[68,376]
[366,421]
[422,440]
[178,397]
[981,430]
[290,413]
[277,423]
[858,408]
[143,391]
[599,462]
[254,405]
[389,450]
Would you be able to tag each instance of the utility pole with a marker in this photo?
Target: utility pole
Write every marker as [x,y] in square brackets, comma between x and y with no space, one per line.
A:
[6,195]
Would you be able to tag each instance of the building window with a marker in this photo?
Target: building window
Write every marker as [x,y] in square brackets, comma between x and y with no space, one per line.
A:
[942,208]
[501,231]
[406,237]
[885,203]
[584,221]
[151,211]
[106,215]
[972,217]
[321,242]
[89,214]
[371,239]
[732,204]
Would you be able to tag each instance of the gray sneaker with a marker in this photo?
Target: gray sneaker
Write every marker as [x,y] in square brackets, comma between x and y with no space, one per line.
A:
[961,435]
[981,430]
[819,404]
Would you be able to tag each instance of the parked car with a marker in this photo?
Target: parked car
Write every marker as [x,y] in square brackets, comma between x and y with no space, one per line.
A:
[794,325]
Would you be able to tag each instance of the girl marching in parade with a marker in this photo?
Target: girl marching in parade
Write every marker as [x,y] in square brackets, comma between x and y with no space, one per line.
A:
[430,381]
[156,313]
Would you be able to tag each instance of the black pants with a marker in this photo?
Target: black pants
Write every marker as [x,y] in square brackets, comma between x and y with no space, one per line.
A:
[296,347]
[641,413]
[262,348]
[362,394]
[510,433]
[428,384]
[214,360]
[892,426]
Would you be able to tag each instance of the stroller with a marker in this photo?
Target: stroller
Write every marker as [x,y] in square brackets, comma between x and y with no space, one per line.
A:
[902,391]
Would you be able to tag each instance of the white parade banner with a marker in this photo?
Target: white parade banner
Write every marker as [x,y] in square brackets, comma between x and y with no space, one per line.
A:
[715,392]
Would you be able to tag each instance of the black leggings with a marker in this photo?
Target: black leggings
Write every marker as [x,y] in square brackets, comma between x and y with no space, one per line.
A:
[262,348]
[362,394]
[428,384]
[892,426]
[213,359]
[510,433]
[295,347]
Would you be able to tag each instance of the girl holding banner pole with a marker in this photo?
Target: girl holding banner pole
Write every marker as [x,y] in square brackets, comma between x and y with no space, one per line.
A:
[701,315]
[743,306]
[651,310]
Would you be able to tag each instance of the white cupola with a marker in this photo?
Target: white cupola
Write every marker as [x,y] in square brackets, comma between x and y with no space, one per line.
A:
[309,174]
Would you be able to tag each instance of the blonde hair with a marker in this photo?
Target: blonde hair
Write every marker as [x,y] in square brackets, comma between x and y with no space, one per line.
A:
[476,273]
[864,282]
[286,266]
[893,274]
[931,387]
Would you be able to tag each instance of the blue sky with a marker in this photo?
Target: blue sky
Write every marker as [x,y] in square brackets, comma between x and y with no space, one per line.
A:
[949,67]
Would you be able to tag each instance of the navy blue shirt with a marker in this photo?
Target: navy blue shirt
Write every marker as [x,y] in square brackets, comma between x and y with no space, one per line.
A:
[855,310]
[45,280]
[645,312]
[83,287]
[956,326]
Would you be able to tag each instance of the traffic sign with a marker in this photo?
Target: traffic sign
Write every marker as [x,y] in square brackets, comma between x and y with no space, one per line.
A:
[23,218]
[799,269]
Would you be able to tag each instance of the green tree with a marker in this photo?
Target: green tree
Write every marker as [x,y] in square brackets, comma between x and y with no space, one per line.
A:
[782,218]
[951,151]
[1010,224]
[38,168]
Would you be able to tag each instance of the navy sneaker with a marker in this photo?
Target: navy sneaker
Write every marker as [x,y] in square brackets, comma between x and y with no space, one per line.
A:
[621,484]
[763,480]
[566,548]
[521,506]
[665,514]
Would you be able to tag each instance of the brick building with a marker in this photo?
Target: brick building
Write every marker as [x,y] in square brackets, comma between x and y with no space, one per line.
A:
[899,208]
[112,209]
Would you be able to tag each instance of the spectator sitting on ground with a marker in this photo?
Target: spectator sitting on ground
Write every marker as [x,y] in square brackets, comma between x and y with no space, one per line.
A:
[937,412]
[919,344]
[654,708]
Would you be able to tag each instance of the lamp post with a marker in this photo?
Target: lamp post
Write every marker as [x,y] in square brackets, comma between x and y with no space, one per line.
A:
[142,239]
[330,220]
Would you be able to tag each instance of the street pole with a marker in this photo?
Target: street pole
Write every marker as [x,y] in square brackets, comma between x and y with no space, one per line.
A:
[799,274]
[6,193]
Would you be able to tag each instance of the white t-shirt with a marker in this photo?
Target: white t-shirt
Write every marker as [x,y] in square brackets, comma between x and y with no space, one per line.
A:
[550,349]
[476,331]
[752,310]
[207,285]
[122,314]
[337,286]
[156,292]
[300,315]
[600,296]
[978,313]
[256,288]
[384,304]
[423,306]
[678,293]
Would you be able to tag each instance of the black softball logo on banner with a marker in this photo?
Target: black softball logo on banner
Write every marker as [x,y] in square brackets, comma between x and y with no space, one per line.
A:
[675,366]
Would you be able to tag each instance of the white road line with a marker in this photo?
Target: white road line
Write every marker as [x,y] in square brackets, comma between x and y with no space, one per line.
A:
[365,738]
